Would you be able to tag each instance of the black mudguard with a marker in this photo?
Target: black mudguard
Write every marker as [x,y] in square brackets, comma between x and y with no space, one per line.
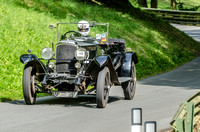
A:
[127,63]
[98,64]
[30,59]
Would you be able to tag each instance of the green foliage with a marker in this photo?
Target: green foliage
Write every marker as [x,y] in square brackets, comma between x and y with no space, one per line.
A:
[24,25]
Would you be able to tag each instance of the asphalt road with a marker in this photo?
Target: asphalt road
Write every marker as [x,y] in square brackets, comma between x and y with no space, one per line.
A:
[158,96]
[192,31]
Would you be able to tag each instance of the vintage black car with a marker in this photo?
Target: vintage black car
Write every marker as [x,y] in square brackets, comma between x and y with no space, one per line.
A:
[80,64]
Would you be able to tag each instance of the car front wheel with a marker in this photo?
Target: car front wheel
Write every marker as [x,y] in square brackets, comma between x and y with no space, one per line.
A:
[29,85]
[103,86]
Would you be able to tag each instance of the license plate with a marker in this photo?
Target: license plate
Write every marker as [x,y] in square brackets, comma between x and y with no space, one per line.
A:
[80,53]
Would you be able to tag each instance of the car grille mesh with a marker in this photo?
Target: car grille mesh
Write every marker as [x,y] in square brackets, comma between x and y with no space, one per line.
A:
[65,58]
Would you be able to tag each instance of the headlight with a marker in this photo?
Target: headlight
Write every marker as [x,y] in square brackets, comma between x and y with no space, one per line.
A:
[47,53]
[51,65]
[78,65]
[81,54]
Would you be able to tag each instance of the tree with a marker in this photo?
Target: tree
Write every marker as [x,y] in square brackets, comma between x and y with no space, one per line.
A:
[123,6]
[142,3]
[154,3]
[173,4]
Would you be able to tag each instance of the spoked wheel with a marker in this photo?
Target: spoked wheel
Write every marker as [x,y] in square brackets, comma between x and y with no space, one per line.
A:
[103,86]
[29,85]
[130,86]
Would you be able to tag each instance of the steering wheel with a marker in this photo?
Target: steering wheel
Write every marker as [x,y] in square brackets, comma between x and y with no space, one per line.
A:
[72,35]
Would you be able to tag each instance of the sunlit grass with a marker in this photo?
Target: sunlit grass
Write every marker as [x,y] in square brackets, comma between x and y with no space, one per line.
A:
[166,4]
[24,25]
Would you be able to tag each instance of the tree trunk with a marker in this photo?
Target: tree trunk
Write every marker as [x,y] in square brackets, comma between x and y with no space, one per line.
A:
[142,3]
[154,3]
[173,4]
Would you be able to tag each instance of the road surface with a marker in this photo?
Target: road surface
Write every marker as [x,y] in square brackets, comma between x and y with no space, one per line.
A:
[158,96]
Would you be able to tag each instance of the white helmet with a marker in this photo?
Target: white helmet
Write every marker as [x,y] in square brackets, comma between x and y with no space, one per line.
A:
[83,28]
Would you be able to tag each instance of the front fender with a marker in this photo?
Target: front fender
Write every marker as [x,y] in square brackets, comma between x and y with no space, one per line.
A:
[26,58]
[102,60]
[98,64]
[134,57]
[126,66]
[30,59]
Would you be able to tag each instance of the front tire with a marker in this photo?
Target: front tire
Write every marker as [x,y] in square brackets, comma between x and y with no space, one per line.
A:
[103,86]
[130,86]
[29,85]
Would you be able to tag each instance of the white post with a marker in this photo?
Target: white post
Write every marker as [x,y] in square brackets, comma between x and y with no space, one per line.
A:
[136,120]
[150,126]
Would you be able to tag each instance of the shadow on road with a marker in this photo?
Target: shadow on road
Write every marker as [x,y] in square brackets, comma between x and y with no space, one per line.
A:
[5,99]
[88,101]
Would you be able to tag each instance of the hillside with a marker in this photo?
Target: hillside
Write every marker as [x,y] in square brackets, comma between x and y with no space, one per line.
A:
[24,25]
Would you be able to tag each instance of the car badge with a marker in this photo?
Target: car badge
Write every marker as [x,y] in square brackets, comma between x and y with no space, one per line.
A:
[103,38]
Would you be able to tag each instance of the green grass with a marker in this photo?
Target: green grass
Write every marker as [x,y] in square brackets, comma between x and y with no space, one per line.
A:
[166,4]
[24,25]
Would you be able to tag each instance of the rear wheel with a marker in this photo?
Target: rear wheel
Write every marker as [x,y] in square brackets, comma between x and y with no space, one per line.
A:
[130,86]
[103,86]
[29,85]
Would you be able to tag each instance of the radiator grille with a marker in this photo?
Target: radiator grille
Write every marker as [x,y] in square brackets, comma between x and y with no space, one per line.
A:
[65,51]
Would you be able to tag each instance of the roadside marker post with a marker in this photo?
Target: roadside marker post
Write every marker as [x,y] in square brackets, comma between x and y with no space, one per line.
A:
[150,126]
[136,120]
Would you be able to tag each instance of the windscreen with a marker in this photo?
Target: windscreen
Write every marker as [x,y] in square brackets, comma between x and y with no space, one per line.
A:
[98,31]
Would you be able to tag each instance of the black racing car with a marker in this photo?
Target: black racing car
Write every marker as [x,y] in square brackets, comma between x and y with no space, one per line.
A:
[80,64]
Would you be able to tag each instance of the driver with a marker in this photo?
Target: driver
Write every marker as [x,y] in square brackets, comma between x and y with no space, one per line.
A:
[83,28]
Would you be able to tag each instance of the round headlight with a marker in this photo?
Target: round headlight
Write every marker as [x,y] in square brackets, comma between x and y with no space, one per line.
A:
[78,65]
[51,65]
[47,53]
[81,54]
